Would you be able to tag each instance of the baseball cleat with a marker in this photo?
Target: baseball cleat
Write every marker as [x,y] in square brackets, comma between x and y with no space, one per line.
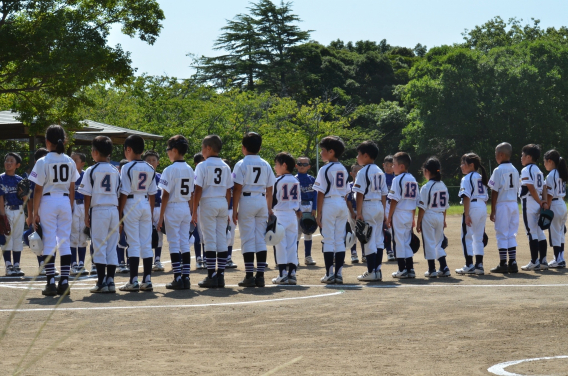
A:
[10,272]
[49,290]
[500,269]
[280,280]
[63,289]
[553,264]
[364,259]
[122,268]
[247,282]
[390,256]
[466,270]
[135,287]
[444,273]
[199,264]
[176,284]
[259,281]
[209,282]
[479,270]
[41,270]
[73,270]
[367,277]
[158,267]
[146,286]
[354,259]
[379,275]
[81,270]
[309,261]
[400,274]
[221,280]
[513,267]
[431,274]
[562,264]
[411,274]
[230,264]
[93,269]
[111,287]
[339,279]
[99,288]
[292,280]
[186,283]
[19,271]
[531,266]
[329,279]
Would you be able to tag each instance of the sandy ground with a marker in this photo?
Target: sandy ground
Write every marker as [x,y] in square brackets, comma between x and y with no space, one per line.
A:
[452,326]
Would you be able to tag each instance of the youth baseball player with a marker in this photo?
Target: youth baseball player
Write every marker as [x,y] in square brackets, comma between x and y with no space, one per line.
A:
[176,184]
[389,176]
[371,189]
[153,159]
[352,207]
[332,214]
[100,187]
[78,237]
[137,191]
[54,176]
[286,198]
[308,204]
[504,183]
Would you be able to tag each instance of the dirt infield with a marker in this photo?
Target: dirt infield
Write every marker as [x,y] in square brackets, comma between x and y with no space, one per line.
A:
[452,326]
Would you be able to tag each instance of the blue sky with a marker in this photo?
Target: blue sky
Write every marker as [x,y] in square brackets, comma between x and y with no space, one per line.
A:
[191,26]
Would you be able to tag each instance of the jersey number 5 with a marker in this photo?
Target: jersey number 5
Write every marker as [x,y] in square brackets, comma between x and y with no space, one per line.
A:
[184,189]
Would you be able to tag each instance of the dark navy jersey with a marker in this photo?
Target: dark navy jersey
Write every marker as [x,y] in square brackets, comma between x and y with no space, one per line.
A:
[158,196]
[307,190]
[351,197]
[389,178]
[79,196]
[9,189]
[32,187]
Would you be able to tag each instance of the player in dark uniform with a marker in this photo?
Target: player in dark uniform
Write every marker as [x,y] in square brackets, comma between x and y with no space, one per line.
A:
[307,205]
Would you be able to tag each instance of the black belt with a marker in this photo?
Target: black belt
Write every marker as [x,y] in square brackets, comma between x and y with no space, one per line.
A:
[49,194]
[13,207]
[132,196]
[474,200]
[555,199]
[333,196]
[79,201]
[247,194]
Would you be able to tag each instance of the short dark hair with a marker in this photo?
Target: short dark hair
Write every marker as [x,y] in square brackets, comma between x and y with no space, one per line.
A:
[40,153]
[122,162]
[81,156]
[287,159]
[334,143]
[103,145]
[179,143]
[369,148]
[198,158]
[214,142]
[388,159]
[150,153]
[15,155]
[532,150]
[402,158]
[135,142]
[252,141]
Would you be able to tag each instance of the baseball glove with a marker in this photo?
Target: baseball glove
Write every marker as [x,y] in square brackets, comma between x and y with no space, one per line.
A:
[545,219]
[23,191]
[4,225]
[363,231]
[445,242]
[414,243]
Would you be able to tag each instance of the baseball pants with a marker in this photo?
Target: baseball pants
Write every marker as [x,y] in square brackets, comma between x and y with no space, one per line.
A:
[531,213]
[253,215]
[334,219]
[373,214]
[506,224]
[155,220]
[286,250]
[55,216]
[214,213]
[14,240]
[78,238]
[472,237]
[138,227]
[558,223]
[433,235]
[104,234]
[177,222]
[402,233]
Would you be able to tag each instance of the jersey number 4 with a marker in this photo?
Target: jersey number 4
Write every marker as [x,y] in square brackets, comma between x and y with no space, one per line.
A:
[105,183]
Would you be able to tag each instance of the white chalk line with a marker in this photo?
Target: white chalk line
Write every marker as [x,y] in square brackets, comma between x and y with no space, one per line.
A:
[174,306]
[499,369]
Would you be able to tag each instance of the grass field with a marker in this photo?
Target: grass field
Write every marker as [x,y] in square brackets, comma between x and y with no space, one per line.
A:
[452,326]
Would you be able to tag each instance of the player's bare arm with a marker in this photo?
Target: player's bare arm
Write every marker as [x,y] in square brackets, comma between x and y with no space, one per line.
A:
[269,200]
[384,201]
[445,224]
[87,204]
[165,199]
[321,196]
[38,192]
[2,211]
[394,203]
[419,221]
[534,193]
[196,198]
[545,197]
[121,203]
[466,204]
[72,194]
[494,195]
[237,190]
[359,201]
[30,217]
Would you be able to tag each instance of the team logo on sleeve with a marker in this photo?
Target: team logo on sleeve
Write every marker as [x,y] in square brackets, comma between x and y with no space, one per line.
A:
[34,174]
[316,183]
[391,191]
[164,182]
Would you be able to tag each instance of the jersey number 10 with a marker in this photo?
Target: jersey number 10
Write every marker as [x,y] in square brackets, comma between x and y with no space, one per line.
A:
[61,173]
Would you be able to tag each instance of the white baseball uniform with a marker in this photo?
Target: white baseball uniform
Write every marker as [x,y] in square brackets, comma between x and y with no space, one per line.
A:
[434,200]
[531,175]
[102,182]
[332,182]
[78,237]
[255,175]
[178,179]
[214,177]
[55,172]
[472,237]
[371,183]
[505,180]
[137,183]
[557,189]
[286,198]
[405,191]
